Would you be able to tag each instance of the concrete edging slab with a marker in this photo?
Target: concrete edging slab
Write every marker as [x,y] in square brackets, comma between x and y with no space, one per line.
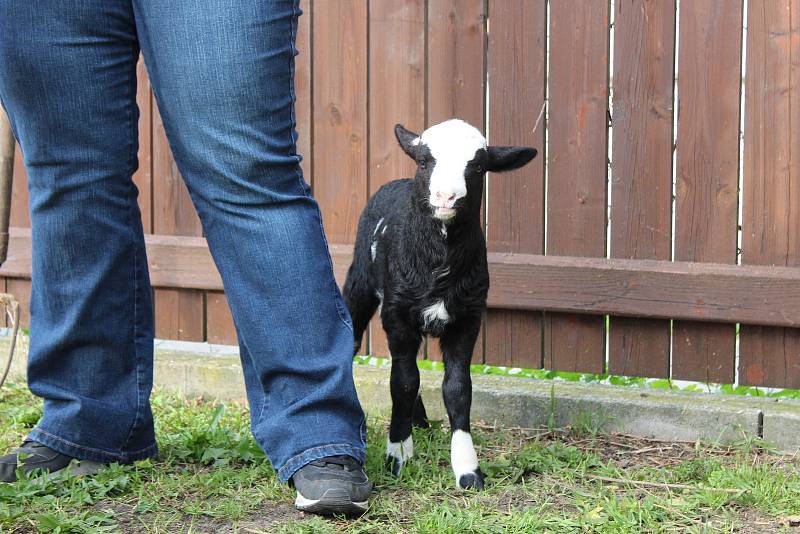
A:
[521,402]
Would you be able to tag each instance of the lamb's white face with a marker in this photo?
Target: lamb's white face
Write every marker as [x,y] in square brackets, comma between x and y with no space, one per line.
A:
[452,144]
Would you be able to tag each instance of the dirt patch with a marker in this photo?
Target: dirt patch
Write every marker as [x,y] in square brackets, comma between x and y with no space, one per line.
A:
[270,516]
[754,522]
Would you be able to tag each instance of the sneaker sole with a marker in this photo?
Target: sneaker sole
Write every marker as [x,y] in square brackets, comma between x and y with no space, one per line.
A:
[333,502]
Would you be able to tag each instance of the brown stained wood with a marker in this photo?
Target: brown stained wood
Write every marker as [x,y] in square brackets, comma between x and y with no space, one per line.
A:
[178,313]
[20,216]
[771,218]
[516,65]
[397,94]
[172,207]
[220,329]
[576,197]
[303,89]
[641,188]
[21,289]
[143,177]
[182,322]
[653,289]
[707,157]
[456,79]
[456,34]
[340,114]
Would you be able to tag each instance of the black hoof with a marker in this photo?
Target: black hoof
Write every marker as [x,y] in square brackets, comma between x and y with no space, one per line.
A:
[421,423]
[471,480]
[395,465]
[419,416]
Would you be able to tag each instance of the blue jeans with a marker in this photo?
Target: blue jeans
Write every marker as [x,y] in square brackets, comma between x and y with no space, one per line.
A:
[222,73]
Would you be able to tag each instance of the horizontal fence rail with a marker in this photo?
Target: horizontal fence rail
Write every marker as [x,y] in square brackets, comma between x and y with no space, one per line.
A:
[658,232]
[635,288]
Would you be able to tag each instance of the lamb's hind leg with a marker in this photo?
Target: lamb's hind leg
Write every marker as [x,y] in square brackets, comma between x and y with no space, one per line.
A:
[457,344]
[361,301]
[420,417]
[403,344]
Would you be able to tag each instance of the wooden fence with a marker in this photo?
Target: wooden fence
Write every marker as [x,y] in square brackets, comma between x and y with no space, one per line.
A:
[644,239]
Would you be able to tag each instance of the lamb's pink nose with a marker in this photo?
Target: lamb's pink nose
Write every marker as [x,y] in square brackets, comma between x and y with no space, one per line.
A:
[445,198]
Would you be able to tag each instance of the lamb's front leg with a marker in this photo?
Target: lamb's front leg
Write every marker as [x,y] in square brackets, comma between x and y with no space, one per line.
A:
[457,344]
[404,345]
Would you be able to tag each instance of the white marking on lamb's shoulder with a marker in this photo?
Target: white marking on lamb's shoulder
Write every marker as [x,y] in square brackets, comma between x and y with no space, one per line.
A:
[462,454]
[402,450]
[436,311]
[374,250]
[378,227]
[384,229]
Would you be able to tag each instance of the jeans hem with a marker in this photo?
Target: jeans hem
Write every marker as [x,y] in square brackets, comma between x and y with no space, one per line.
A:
[315,453]
[89,453]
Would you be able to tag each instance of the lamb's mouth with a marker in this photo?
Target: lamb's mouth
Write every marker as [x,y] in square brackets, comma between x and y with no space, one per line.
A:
[444,213]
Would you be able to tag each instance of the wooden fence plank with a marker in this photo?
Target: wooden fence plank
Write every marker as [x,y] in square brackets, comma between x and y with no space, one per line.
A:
[456,76]
[340,114]
[143,177]
[303,89]
[641,187]
[456,34]
[20,216]
[397,94]
[179,313]
[771,222]
[706,202]
[515,201]
[220,330]
[576,196]
[21,289]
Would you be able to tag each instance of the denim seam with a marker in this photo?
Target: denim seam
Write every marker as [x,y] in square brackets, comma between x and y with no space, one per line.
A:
[315,453]
[116,456]
[137,364]
[264,396]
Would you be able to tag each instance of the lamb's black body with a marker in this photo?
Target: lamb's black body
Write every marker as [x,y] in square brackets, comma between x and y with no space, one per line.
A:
[431,276]
[418,262]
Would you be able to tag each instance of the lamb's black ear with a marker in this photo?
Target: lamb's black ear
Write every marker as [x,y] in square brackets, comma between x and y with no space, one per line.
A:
[508,158]
[406,139]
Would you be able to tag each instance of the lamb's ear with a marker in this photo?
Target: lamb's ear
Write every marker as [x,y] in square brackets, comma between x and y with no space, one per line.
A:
[508,158]
[408,140]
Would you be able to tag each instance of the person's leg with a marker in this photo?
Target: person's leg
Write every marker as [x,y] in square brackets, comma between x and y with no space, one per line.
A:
[67,80]
[222,73]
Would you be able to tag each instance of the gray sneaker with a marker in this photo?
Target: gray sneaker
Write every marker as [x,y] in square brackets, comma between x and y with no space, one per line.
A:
[38,456]
[331,486]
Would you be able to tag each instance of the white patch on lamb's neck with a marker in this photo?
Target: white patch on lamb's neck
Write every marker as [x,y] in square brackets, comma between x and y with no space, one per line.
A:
[374,250]
[462,454]
[402,450]
[434,312]
[378,227]
[452,144]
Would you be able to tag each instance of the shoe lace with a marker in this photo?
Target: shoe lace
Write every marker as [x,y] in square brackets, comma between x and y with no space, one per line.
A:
[347,463]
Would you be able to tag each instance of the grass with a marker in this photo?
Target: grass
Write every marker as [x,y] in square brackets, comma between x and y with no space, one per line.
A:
[212,477]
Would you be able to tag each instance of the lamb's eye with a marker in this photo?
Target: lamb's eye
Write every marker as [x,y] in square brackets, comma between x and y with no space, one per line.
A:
[422,164]
[479,169]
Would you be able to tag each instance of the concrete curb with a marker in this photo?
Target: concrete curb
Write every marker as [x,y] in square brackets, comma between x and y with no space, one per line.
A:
[521,402]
